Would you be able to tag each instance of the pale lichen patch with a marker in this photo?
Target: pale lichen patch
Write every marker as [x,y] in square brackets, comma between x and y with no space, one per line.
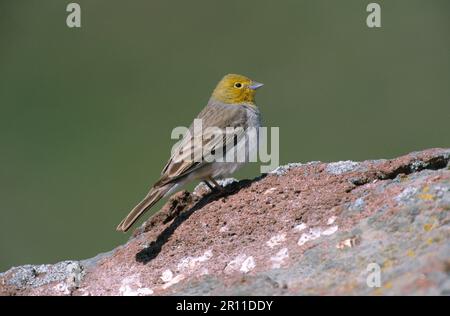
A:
[167,275]
[279,258]
[331,220]
[131,286]
[248,265]
[315,233]
[300,227]
[173,281]
[330,231]
[312,234]
[276,240]
[191,263]
[234,264]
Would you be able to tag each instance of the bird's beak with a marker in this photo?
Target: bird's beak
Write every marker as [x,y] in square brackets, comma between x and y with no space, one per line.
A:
[255,85]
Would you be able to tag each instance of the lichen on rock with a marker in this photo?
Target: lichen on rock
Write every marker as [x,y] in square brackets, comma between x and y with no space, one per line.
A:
[303,229]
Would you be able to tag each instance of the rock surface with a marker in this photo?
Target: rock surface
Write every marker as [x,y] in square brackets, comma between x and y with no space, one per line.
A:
[372,228]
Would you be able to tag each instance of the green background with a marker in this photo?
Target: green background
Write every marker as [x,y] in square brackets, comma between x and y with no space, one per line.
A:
[86,114]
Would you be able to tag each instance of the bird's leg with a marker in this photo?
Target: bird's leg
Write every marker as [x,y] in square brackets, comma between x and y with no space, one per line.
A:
[216,185]
[209,185]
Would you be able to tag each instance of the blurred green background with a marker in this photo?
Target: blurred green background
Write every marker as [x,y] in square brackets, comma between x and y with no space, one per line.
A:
[86,114]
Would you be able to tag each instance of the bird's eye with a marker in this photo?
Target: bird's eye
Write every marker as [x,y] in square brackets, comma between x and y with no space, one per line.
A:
[238,85]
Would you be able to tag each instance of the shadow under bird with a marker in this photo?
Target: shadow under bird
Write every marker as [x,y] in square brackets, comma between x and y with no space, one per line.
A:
[232,104]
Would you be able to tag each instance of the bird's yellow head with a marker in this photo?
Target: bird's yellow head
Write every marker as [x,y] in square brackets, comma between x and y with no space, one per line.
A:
[236,89]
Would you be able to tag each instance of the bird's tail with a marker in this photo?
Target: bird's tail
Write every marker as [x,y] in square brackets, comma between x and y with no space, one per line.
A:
[155,194]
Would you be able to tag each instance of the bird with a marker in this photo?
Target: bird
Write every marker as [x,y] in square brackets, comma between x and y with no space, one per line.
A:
[231,105]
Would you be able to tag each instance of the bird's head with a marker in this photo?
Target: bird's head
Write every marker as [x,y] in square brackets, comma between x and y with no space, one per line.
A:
[236,89]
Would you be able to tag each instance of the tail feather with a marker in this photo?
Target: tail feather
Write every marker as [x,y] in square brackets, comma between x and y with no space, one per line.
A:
[151,199]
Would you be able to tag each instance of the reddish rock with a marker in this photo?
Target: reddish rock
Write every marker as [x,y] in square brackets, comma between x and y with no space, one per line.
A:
[311,228]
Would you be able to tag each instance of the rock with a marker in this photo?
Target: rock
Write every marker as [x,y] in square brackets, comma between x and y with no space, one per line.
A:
[341,167]
[316,228]
[63,278]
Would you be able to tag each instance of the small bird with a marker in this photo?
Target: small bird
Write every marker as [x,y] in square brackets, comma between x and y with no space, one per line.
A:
[232,104]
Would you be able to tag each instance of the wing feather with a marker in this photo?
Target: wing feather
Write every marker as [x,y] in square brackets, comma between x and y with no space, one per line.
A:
[221,116]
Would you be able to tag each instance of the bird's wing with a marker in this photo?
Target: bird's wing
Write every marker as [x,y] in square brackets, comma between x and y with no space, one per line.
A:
[182,161]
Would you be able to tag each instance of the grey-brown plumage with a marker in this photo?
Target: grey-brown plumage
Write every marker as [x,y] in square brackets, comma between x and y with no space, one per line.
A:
[182,168]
